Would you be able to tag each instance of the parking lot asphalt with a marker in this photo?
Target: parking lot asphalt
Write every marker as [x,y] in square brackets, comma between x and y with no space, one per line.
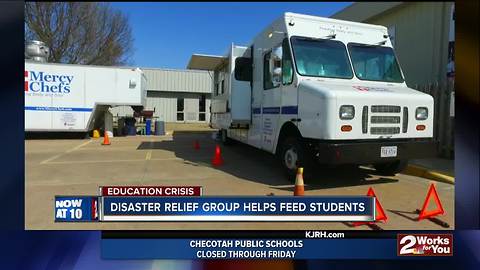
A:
[79,167]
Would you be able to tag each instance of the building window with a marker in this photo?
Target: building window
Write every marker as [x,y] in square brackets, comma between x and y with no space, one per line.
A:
[201,108]
[391,34]
[180,106]
[222,89]
[216,89]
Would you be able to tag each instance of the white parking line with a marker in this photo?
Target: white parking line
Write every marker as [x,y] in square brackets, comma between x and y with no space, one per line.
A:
[66,152]
[116,160]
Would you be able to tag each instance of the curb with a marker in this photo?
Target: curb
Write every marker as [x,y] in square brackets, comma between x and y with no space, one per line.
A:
[419,171]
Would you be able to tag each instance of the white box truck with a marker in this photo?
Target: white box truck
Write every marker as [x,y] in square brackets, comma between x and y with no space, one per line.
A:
[66,97]
[318,89]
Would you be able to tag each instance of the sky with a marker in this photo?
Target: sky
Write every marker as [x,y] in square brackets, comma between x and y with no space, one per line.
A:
[167,34]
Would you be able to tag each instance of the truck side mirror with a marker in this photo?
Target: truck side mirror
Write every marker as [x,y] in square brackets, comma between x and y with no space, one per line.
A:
[276,66]
[277,54]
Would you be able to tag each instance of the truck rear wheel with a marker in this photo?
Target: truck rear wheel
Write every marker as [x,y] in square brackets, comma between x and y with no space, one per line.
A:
[292,156]
[391,168]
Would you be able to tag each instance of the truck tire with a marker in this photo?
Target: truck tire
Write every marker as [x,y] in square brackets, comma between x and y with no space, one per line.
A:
[391,168]
[224,138]
[293,156]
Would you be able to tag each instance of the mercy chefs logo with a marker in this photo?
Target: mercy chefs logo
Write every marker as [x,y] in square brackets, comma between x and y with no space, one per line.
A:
[424,244]
[45,83]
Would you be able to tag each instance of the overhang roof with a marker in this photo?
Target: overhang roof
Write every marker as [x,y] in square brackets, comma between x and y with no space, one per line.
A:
[205,62]
[363,11]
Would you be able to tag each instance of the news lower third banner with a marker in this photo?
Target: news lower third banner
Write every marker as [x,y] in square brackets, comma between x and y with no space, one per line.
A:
[273,249]
[222,209]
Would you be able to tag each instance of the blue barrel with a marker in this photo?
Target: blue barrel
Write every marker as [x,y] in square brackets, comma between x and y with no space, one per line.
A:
[148,126]
[131,130]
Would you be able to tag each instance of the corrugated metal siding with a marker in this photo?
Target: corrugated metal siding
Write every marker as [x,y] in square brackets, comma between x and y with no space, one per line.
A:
[421,35]
[170,80]
[421,39]
[164,104]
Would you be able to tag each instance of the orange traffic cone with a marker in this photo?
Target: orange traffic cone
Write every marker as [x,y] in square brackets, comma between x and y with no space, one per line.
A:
[196,145]
[106,140]
[217,158]
[299,187]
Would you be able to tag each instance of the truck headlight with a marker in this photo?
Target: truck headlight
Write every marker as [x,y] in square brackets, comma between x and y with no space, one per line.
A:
[347,112]
[421,113]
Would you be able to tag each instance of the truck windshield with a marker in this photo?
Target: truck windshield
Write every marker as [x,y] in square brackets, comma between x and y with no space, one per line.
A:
[321,58]
[375,63]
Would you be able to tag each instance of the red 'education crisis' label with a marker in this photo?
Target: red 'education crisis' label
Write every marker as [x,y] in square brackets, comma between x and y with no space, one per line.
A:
[151,191]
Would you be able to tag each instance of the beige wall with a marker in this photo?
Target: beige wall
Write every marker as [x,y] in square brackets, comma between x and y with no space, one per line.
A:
[421,36]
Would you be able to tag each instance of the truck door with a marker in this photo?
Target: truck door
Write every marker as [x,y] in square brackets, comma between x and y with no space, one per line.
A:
[255,131]
[289,105]
[272,96]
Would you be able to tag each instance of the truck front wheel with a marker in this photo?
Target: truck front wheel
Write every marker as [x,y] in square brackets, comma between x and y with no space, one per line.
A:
[292,156]
[391,168]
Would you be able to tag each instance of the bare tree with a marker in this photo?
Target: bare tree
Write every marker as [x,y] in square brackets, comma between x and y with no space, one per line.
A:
[80,33]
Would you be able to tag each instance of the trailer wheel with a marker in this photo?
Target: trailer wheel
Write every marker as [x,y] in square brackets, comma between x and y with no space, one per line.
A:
[391,168]
[224,138]
[292,156]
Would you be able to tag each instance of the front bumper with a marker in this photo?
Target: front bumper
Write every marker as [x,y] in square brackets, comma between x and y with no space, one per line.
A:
[368,152]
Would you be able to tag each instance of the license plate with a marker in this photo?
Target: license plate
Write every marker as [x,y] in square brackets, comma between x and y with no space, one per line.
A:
[388,151]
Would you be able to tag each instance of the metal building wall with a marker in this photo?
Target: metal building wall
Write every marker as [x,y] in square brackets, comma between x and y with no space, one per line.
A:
[165,86]
[165,105]
[421,39]
[421,34]
[170,80]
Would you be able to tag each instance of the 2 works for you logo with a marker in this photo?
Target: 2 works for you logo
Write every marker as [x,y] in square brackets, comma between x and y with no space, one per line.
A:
[46,83]
[425,245]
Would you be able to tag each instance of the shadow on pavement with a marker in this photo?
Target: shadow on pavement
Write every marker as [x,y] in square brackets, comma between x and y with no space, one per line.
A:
[55,135]
[251,164]
[405,214]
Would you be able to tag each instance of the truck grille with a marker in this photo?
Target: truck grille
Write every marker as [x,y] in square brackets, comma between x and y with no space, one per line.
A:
[384,130]
[385,109]
[385,119]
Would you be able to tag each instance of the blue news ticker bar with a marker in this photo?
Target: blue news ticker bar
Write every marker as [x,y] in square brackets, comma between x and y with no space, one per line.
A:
[311,249]
[239,206]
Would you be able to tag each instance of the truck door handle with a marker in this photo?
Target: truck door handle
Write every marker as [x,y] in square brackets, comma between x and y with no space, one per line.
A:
[296,120]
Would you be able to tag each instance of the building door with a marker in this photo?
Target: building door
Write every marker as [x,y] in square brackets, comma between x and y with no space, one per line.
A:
[188,106]
[191,108]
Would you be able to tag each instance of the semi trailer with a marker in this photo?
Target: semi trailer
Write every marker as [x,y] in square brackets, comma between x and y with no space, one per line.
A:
[70,97]
[318,90]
